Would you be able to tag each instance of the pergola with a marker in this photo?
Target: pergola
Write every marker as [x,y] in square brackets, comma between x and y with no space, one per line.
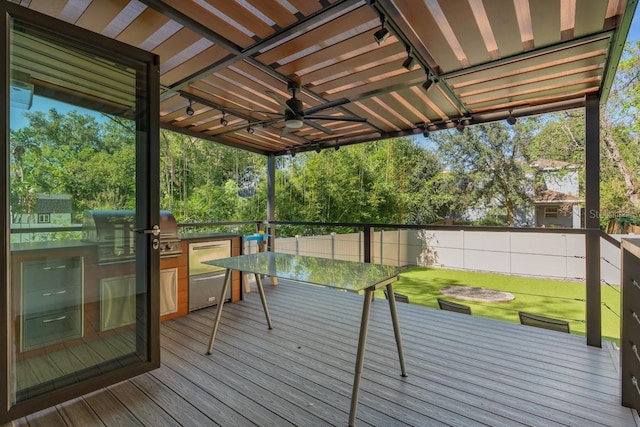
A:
[359,71]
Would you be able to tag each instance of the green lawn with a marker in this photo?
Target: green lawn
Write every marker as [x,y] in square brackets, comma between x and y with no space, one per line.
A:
[553,298]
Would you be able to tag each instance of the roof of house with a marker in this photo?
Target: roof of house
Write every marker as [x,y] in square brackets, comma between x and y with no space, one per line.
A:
[53,203]
[544,196]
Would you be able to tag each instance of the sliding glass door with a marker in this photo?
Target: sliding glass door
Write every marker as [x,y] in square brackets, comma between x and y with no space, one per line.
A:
[80,258]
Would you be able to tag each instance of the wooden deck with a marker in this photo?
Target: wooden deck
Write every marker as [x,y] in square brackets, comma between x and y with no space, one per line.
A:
[463,371]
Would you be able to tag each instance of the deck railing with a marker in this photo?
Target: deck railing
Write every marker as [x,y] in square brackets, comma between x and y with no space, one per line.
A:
[630,328]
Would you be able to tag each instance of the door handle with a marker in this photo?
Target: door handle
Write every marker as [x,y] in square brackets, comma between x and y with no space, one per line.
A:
[155,230]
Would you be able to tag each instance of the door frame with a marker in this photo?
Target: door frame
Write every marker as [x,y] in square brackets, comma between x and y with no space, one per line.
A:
[147,205]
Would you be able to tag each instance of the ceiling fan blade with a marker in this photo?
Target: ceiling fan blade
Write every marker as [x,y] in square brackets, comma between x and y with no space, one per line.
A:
[338,118]
[279,101]
[319,127]
[330,104]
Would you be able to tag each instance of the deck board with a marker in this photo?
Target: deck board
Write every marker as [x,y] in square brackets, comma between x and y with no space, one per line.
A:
[463,371]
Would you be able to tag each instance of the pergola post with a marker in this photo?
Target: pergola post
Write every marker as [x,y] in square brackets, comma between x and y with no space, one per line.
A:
[271,200]
[592,220]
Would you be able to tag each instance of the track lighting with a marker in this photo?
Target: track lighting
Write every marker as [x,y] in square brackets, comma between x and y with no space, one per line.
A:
[318,149]
[511,119]
[428,85]
[337,147]
[250,130]
[189,110]
[382,34]
[408,63]
[425,132]
[223,121]
[460,126]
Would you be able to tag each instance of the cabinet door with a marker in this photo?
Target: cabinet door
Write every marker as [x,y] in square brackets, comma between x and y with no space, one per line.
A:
[117,302]
[168,291]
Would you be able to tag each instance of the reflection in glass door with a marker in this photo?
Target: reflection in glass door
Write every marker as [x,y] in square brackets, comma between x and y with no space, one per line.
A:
[79,143]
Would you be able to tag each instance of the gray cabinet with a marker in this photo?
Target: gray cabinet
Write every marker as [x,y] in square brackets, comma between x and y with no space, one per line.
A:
[51,301]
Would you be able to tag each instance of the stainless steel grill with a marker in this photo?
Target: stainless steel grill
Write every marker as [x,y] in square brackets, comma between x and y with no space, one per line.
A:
[114,233]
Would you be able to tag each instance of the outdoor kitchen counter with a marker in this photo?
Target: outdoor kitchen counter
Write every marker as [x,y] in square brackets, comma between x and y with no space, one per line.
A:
[51,245]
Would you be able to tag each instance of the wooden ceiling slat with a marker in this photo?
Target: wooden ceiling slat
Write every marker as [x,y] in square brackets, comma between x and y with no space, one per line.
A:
[275,11]
[595,48]
[421,21]
[589,17]
[462,21]
[545,20]
[396,111]
[319,35]
[201,61]
[504,24]
[551,87]
[563,94]
[208,19]
[175,44]
[403,80]
[306,7]
[382,53]
[100,14]
[336,52]
[214,89]
[362,77]
[244,17]
[590,68]
[142,27]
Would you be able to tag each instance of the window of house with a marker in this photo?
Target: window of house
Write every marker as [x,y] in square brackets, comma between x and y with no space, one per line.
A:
[551,212]
[44,218]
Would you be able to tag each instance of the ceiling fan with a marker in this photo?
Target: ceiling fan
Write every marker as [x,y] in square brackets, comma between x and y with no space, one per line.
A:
[295,116]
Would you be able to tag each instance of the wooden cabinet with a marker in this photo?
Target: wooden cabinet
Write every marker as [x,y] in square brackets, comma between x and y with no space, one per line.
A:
[176,264]
[51,301]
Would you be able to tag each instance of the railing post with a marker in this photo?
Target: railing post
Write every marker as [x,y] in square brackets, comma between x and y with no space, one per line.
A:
[592,221]
[368,242]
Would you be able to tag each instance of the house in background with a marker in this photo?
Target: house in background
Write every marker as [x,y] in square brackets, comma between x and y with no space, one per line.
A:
[557,196]
[50,211]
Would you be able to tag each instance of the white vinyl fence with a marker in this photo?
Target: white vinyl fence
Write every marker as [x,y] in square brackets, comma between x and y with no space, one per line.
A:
[549,255]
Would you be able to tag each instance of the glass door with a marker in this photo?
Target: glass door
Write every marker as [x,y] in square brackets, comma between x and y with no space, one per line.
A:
[82,175]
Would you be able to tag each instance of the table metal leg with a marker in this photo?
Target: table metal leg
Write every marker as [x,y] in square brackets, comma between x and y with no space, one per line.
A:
[216,320]
[396,327]
[362,342]
[263,297]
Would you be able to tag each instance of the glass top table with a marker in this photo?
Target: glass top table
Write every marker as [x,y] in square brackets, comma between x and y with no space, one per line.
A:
[342,275]
[345,275]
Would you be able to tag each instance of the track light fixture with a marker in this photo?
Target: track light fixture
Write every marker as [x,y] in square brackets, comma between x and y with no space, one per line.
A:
[425,131]
[460,126]
[511,119]
[223,121]
[408,63]
[337,147]
[250,130]
[318,148]
[428,85]
[382,34]
[189,110]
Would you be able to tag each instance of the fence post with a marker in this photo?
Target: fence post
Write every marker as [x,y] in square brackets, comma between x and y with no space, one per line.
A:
[333,245]
[297,244]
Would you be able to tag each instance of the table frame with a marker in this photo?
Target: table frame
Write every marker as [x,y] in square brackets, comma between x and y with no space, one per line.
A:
[362,339]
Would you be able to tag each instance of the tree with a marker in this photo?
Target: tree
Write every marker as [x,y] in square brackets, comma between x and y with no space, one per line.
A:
[489,166]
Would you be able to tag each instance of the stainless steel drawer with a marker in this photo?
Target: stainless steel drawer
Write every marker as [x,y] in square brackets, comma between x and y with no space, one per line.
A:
[205,290]
[54,327]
